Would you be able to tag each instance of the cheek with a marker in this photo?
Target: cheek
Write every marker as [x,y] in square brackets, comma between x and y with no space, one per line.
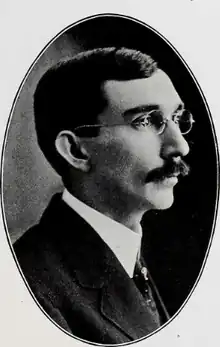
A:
[139,152]
[127,154]
[113,161]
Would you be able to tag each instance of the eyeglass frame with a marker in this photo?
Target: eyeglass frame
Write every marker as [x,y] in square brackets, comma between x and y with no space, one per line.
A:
[163,125]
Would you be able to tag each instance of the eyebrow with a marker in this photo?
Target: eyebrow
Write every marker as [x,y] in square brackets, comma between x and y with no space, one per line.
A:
[139,109]
[147,108]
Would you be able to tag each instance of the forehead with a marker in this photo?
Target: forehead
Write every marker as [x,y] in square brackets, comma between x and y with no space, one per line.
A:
[154,90]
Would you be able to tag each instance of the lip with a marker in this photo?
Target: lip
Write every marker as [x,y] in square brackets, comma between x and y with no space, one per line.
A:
[170,181]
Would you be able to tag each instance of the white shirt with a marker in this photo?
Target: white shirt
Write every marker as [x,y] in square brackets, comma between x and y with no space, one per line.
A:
[124,242]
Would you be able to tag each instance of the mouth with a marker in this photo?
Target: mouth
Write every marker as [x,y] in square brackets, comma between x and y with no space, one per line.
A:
[165,180]
[171,178]
[168,173]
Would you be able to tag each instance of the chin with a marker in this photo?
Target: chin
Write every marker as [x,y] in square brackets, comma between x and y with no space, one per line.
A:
[159,199]
[163,204]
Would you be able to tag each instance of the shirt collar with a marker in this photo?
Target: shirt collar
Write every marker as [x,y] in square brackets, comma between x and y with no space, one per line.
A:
[124,242]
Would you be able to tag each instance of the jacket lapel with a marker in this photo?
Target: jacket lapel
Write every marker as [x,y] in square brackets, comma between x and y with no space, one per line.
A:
[124,306]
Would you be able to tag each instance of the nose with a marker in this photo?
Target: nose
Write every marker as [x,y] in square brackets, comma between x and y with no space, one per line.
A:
[173,142]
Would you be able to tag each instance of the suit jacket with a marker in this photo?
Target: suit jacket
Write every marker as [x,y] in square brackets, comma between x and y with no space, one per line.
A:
[79,282]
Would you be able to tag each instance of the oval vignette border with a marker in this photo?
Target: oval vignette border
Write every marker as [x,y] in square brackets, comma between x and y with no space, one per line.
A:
[141,23]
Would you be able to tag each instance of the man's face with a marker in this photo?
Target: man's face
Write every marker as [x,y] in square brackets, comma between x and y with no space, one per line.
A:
[124,156]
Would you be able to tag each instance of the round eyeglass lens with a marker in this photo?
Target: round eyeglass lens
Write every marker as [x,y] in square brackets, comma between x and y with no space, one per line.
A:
[185,122]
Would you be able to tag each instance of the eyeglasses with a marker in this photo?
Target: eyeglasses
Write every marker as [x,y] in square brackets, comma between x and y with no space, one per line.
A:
[153,119]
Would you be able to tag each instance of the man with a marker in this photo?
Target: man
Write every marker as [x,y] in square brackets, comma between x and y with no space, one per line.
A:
[111,124]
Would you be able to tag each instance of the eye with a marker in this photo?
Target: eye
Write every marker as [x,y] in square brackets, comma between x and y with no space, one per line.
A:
[141,121]
[152,119]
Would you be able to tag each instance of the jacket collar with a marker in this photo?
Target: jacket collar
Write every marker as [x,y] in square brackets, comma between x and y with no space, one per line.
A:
[82,249]
[118,237]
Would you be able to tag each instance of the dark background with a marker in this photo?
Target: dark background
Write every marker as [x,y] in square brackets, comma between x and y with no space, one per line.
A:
[175,240]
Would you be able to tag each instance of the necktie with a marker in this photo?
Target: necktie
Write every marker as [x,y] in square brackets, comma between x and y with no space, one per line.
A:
[142,282]
[146,286]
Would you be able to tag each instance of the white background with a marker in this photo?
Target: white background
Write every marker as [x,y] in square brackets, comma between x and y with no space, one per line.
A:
[26,26]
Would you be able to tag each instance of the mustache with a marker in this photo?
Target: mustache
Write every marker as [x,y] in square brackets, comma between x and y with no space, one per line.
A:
[170,168]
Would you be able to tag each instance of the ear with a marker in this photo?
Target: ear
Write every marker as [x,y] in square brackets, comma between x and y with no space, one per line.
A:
[70,148]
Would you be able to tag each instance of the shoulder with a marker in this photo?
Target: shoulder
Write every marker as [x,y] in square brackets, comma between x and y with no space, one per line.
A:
[41,260]
[38,249]
[39,238]
[59,250]
[52,245]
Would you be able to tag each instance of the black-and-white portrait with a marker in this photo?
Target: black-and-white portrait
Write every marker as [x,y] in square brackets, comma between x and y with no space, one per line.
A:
[110,180]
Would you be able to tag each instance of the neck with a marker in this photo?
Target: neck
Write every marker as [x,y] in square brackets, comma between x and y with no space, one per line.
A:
[111,205]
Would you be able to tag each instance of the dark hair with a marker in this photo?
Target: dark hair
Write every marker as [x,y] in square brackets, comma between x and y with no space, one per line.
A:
[70,93]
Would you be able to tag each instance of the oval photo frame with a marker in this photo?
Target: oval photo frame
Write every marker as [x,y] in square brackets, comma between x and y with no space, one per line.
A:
[175,242]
